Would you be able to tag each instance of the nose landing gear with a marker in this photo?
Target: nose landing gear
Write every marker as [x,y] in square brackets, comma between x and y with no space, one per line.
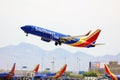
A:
[26,34]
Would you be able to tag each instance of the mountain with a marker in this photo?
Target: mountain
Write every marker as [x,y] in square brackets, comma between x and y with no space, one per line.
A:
[30,55]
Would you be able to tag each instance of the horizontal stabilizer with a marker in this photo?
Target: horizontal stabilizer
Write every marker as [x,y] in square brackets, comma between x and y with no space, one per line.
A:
[96,44]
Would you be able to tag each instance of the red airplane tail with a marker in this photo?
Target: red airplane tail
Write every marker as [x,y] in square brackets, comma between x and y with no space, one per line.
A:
[107,70]
[35,70]
[93,37]
[11,73]
[61,71]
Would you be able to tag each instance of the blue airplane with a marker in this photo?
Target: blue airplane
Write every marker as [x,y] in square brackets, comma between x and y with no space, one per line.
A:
[9,75]
[59,38]
[51,75]
[29,74]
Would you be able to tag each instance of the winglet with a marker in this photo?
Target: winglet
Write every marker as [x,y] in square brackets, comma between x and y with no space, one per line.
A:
[11,73]
[82,35]
[35,70]
[61,71]
[107,70]
[88,33]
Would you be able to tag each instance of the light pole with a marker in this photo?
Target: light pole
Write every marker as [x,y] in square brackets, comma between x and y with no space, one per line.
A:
[78,62]
[53,58]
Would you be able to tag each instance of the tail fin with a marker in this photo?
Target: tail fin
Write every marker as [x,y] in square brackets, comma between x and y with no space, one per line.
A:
[107,70]
[92,38]
[61,71]
[11,73]
[35,70]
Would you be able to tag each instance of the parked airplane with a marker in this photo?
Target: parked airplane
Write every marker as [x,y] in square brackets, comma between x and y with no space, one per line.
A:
[59,38]
[6,76]
[29,74]
[35,70]
[51,75]
[110,74]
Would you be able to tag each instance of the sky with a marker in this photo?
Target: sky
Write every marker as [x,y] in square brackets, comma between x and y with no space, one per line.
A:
[73,17]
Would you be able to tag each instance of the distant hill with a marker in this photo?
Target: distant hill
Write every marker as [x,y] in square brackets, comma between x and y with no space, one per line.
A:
[30,55]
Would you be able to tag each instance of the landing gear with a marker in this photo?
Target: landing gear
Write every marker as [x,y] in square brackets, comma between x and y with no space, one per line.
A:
[58,42]
[26,34]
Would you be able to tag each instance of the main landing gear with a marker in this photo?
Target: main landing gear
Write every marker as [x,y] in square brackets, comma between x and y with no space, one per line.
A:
[58,42]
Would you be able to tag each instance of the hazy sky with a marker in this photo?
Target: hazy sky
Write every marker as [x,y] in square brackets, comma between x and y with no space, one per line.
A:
[74,17]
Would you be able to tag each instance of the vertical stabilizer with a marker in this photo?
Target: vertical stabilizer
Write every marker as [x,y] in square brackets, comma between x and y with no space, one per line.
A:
[61,71]
[107,70]
[93,37]
[35,70]
[11,73]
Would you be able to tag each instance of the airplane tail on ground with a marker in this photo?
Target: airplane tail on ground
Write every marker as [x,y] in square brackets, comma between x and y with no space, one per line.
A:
[11,73]
[35,70]
[107,70]
[61,71]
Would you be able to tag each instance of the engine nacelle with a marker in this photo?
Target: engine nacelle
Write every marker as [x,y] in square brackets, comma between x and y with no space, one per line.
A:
[45,39]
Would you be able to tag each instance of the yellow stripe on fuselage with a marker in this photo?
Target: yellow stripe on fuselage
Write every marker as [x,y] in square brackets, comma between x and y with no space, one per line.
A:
[81,41]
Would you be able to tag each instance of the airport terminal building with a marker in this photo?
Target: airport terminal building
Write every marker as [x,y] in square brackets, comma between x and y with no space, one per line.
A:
[99,66]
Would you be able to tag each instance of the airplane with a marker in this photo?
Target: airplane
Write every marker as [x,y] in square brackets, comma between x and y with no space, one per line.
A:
[9,75]
[110,74]
[51,75]
[29,74]
[59,38]
[35,70]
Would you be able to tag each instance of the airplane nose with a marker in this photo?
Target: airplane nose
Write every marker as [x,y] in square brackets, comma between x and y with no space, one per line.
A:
[23,28]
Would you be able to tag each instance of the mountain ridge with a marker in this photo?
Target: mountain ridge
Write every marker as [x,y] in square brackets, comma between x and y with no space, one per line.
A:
[29,54]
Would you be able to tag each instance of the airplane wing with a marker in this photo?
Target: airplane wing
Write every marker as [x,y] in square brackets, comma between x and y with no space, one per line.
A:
[64,39]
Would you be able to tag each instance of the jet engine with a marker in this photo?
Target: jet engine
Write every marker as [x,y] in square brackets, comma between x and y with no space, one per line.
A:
[45,39]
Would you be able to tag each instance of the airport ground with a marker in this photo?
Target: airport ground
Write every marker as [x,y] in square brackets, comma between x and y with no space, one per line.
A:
[61,78]
[92,74]
[72,76]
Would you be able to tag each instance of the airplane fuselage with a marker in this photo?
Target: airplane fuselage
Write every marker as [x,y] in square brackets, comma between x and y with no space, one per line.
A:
[44,76]
[117,77]
[3,75]
[45,33]
[48,35]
